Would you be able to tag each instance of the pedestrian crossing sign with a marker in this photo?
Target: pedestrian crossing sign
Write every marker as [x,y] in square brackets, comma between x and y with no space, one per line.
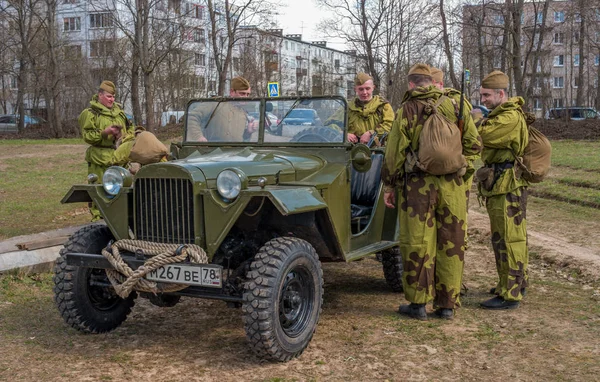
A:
[273,88]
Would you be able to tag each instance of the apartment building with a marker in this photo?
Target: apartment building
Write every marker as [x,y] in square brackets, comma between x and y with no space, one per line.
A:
[548,50]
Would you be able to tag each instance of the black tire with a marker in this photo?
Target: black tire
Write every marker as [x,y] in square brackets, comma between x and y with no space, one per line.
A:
[86,307]
[391,259]
[282,298]
[318,134]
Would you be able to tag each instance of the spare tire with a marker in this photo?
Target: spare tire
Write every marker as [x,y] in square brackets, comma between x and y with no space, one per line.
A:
[318,134]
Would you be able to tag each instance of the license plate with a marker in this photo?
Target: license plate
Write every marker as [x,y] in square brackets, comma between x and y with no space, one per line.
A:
[191,274]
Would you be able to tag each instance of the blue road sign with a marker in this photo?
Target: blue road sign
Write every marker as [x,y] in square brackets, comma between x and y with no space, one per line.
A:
[273,88]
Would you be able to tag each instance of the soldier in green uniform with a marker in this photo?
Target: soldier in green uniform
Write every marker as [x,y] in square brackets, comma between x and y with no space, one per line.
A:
[102,124]
[367,114]
[432,208]
[505,135]
[228,123]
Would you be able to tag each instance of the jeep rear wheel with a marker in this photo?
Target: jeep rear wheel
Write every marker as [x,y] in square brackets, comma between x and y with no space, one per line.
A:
[83,295]
[283,298]
[391,259]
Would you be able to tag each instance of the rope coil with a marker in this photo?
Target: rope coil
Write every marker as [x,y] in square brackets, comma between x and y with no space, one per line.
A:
[124,279]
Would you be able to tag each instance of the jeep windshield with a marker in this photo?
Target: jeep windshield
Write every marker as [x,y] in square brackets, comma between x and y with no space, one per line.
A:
[251,121]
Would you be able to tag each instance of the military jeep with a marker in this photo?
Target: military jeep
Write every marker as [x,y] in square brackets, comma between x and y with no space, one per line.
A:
[265,204]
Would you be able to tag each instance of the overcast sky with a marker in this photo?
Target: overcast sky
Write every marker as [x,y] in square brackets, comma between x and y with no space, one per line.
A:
[302,17]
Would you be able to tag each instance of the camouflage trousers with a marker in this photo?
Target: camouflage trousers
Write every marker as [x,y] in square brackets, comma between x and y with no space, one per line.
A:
[98,170]
[433,219]
[509,239]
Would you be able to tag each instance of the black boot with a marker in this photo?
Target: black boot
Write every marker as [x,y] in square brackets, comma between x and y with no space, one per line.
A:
[445,313]
[498,302]
[416,311]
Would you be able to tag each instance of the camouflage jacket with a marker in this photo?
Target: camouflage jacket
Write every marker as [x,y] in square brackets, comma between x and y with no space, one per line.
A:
[405,134]
[93,121]
[504,132]
[376,116]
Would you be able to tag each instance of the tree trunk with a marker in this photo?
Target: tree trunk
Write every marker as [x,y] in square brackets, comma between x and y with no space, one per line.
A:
[580,77]
[446,38]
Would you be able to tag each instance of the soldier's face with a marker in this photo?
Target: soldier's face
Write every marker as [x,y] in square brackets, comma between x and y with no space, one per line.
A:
[106,99]
[492,98]
[365,91]
[439,85]
[240,93]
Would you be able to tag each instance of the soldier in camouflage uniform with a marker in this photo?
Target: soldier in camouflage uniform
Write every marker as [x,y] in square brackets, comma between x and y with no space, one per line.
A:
[230,123]
[432,208]
[505,134]
[102,124]
[367,114]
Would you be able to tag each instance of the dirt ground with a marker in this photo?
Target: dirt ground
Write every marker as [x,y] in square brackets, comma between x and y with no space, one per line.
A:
[553,336]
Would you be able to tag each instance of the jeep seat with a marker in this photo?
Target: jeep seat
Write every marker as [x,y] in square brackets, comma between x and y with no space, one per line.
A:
[365,187]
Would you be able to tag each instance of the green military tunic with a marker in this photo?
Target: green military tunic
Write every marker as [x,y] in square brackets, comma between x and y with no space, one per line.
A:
[100,154]
[505,133]
[226,122]
[432,209]
[375,116]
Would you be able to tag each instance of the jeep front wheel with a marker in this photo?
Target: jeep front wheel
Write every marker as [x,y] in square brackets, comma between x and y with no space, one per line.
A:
[283,298]
[84,296]
[391,259]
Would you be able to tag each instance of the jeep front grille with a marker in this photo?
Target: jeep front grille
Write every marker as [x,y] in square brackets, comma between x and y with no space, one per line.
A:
[164,210]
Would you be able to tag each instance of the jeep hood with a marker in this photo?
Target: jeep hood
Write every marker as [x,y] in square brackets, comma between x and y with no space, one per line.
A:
[252,162]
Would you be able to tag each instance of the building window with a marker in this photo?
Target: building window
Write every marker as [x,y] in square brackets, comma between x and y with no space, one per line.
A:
[72,24]
[499,20]
[199,59]
[559,38]
[101,20]
[559,82]
[537,104]
[577,17]
[70,1]
[101,48]
[195,11]
[558,102]
[576,60]
[559,60]
[576,82]
[559,16]
[575,37]
[13,82]
[597,60]
[539,17]
[199,35]
[286,45]
[537,82]
[175,6]
[72,51]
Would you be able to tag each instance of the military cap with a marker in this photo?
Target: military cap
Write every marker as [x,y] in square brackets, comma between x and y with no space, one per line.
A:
[437,75]
[361,78]
[240,83]
[108,87]
[495,80]
[420,68]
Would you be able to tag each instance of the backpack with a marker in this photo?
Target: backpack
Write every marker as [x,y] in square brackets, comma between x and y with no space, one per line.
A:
[147,148]
[440,143]
[535,163]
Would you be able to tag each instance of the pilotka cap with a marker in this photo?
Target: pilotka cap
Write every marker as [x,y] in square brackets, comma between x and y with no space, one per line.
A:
[437,75]
[109,87]
[495,80]
[361,78]
[240,83]
[420,68]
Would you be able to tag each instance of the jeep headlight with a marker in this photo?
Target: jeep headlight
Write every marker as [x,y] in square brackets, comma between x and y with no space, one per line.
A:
[115,178]
[230,183]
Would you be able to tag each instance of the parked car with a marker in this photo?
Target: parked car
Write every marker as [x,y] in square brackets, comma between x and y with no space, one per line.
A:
[9,122]
[574,113]
[247,219]
[296,120]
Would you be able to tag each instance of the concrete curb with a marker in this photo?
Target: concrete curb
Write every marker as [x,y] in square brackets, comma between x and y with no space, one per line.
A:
[22,261]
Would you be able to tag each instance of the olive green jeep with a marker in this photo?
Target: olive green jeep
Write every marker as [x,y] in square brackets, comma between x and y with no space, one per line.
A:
[245,212]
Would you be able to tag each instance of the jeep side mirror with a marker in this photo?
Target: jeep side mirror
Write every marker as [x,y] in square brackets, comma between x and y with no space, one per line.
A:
[361,157]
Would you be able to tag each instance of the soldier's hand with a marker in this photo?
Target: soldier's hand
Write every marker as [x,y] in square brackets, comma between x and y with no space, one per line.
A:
[365,138]
[113,130]
[352,138]
[389,198]
[202,139]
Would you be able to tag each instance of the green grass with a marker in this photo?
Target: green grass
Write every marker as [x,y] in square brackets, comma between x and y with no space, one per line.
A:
[21,142]
[576,154]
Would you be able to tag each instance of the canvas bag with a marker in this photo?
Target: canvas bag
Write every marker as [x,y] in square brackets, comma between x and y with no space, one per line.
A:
[535,163]
[147,149]
[440,144]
